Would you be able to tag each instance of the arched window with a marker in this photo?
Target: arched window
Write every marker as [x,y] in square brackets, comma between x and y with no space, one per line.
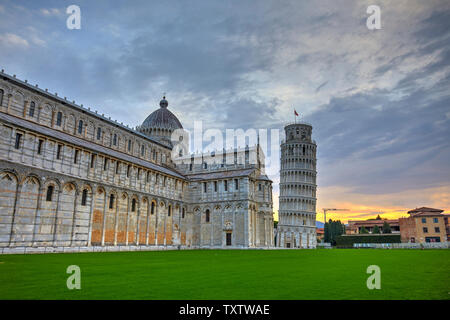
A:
[80,126]
[152,210]
[99,133]
[1,97]
[133,205]
[59,118]
[115,139]
[84,197]
[111,201]
[169,211]
[182,213]
[207,215]
[31,111]
[49,193]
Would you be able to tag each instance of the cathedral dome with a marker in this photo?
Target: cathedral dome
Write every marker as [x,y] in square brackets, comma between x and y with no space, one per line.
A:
[162,118]
[160,124]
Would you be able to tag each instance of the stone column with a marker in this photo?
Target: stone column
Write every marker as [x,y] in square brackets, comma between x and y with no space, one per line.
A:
[156,221]
[105,211]
[128,218]
[149,208]
[56,214]
[165,222]
[91,216]
[35,224]
[116,224]
[13,218]
[73,216]
[138,222]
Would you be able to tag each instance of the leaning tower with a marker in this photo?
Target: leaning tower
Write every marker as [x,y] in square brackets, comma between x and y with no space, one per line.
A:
[297,201]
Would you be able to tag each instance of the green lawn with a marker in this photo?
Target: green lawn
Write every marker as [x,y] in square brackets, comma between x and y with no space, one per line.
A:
[229,274]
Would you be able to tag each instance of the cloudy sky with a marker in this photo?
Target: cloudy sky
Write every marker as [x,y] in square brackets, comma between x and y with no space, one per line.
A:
[379,100]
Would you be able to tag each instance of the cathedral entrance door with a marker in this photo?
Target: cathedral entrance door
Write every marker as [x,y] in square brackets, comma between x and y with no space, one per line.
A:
[228,238]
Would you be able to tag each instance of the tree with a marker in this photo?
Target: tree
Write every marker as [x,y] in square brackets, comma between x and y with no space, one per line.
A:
[363,230]
[386,227]
[275,224]
[332,229]
[376,230]
[326,232]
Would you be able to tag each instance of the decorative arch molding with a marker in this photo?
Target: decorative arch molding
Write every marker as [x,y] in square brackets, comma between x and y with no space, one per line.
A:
[136,196]
[72,183]
[6,88]
[13,173]
[18,95]
[51,179]
[100,190]
[124,195]
[33,179]
[25,176]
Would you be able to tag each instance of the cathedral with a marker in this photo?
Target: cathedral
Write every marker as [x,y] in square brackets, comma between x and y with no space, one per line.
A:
[73,180]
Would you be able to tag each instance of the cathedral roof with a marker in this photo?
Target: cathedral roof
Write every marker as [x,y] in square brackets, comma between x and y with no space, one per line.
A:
[220,174]
[54,97]
[264,177]
[162,118]
[87,144]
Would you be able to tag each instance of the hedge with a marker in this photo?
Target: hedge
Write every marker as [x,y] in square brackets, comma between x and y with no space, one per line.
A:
[345,241]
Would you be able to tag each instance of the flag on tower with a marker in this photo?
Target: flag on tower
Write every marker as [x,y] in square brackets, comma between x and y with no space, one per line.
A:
[295,112]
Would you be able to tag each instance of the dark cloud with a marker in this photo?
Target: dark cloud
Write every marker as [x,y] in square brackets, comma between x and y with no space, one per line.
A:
[436,25]
[321,86]
[378,139]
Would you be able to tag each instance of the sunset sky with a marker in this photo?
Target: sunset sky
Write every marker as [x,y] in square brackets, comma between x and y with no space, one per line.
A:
[378,100]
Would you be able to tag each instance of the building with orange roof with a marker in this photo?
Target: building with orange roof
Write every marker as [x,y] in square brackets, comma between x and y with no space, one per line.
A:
[355,226]
[320,234]
[424,225]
